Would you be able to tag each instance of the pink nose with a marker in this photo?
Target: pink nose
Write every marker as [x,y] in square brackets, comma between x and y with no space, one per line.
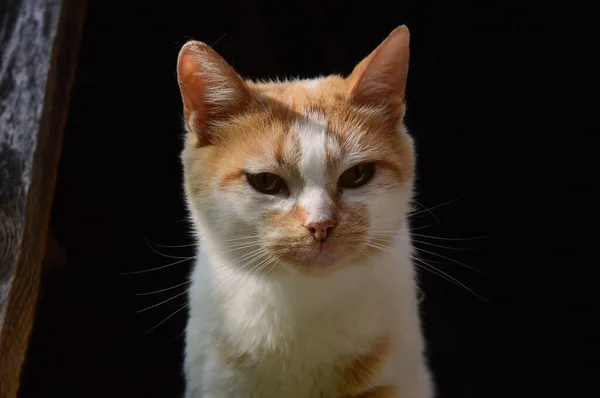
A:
[321,230]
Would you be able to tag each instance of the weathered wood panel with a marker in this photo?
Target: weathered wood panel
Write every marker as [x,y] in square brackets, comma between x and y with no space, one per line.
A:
[38,46]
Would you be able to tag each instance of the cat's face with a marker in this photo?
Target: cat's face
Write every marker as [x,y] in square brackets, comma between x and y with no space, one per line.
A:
[306,176]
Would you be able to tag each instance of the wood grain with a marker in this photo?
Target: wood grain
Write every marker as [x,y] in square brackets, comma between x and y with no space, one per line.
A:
[38,46]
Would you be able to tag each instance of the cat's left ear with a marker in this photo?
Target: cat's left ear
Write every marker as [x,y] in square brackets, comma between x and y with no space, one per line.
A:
[380,78]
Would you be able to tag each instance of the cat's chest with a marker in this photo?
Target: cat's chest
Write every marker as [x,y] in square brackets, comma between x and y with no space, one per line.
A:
[277,378]
[289,371]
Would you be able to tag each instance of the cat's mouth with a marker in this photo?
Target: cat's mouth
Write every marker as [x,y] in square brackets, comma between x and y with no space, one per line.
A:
[320,258]
[326,256]
[305,255]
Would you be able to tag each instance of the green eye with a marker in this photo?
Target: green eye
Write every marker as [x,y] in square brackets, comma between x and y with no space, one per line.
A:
[266,183]
[357,176]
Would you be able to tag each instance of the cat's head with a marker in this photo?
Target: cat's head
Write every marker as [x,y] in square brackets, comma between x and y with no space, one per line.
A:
[307,175]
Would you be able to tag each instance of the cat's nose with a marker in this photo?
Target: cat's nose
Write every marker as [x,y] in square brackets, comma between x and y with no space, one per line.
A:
[321,230]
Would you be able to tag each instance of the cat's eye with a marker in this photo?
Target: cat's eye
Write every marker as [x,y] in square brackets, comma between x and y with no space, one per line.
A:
[357,176]
[266,183]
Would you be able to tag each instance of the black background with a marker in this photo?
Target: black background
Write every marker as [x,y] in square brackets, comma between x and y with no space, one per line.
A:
[502,154]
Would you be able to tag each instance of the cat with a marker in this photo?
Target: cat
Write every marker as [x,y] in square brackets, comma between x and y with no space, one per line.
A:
[299,192]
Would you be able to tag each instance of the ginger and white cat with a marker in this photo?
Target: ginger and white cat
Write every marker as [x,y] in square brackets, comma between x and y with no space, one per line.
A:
[299,192]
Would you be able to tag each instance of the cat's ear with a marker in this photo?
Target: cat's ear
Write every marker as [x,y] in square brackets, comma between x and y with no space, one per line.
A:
[210,88]
[380,78]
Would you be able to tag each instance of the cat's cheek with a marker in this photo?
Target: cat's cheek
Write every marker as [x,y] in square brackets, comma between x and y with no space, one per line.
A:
[388,210]
[252,207]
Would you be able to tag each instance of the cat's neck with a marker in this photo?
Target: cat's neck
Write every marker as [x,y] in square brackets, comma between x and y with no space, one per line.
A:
[360,302]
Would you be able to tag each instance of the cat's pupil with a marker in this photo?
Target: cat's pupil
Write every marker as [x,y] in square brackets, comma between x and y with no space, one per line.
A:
[357,173]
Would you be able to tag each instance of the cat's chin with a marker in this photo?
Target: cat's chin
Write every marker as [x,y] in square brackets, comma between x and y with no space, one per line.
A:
[321,260]
[324,262]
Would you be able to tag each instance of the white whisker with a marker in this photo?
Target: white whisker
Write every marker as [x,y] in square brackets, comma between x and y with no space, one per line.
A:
[241,246]
[162,302]
[441,238]
[436,245]
[428,210]
[163,290]
[443,274]
[164,320]
[162,254]
[174,246]
[435,207]
[241,238]
[449,259]
[157,268]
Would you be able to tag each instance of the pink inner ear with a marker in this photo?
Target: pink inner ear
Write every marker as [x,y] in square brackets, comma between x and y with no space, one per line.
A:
[380,78]
[191,86]
[210,88]
[186,65]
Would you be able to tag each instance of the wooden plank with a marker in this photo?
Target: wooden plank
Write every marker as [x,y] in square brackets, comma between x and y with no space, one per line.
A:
[38,47]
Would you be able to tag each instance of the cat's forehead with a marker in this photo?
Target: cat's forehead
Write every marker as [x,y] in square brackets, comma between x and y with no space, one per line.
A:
[301,95]
[310,144]
[309,130]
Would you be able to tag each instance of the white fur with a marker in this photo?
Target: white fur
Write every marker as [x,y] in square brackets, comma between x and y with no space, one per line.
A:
[222,91]
[311,134]
[312,84]
[315,199]
[294,325]
[325,318]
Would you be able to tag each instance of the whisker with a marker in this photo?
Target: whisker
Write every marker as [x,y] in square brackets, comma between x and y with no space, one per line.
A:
[251,263]
[263,264]
[421,227]
[240,246]
[380,247]
[241,242]
[452,260]
[163,290]
[254,257]
[241,238]
[443,274]
[272,267]
[366,253]
[441,238]
[166,319]
[435,207]
[173,246]
[248,255]
[426,243]
[428,210]
[162,254]
[440,246]
[394,233]
[245,261]
[156,268]
[175,338]
[162,302]
[390,234]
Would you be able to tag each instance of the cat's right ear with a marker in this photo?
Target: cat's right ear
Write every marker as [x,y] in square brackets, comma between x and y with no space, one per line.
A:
[211,90]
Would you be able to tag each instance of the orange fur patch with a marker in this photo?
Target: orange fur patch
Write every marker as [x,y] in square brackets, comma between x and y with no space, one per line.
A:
[228,354]
[377,392]
[233,176]
[358,374]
